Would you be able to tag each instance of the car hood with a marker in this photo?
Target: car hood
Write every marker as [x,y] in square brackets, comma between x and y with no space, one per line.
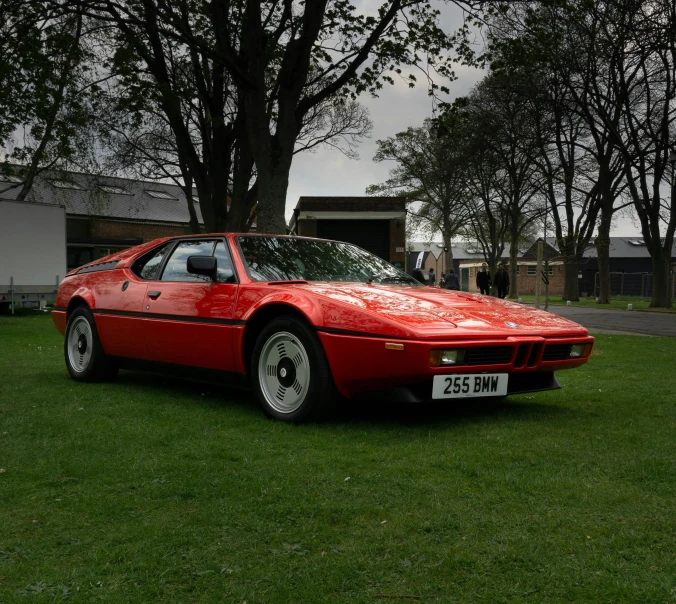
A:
[432,311]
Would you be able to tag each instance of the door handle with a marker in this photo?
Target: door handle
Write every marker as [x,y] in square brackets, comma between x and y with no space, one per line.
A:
[154,295]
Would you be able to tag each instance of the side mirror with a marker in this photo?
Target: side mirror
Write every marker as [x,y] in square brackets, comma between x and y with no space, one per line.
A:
[203,265]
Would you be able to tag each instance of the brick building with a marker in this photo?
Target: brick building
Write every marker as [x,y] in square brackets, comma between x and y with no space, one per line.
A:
[630,265]
[104,214]
[377,224]
[468,258]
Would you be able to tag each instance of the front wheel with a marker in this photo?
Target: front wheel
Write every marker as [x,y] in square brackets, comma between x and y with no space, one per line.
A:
[85,359]
[290,373]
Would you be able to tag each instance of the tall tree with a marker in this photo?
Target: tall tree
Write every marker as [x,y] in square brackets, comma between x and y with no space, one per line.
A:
[48,81]
[430,168]
[283,57]
[616,60]
[505,125]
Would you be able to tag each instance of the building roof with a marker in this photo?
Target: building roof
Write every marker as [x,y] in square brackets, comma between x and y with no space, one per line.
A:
[461,250]
[88,195]
[620,247]
[627,247]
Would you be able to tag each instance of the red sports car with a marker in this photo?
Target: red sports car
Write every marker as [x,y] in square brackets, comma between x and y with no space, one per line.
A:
[307,320]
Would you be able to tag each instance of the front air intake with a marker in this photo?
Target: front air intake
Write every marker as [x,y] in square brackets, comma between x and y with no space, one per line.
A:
[488,355]
[556,352]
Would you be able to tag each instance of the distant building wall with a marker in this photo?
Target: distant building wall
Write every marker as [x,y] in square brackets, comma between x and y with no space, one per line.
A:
[526,282]
[115,229]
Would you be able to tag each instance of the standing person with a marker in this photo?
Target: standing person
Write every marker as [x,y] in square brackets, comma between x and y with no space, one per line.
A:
[432,278]
[418,275]
[451,281]
[501,281]
[483,279]
[442,279]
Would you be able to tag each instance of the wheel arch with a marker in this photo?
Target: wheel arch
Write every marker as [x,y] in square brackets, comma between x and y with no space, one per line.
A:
[74,303]
[259,319]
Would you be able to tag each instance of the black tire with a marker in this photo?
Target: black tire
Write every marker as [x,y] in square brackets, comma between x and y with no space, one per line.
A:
[294,385]
[83,352]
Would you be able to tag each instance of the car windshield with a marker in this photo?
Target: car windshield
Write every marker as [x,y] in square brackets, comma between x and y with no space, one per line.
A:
[296,259]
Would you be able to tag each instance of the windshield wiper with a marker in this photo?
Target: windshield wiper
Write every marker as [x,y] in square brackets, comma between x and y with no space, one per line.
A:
[395,279]
[286,281]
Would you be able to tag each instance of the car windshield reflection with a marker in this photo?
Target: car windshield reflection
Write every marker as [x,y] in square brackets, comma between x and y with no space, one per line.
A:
[296,259]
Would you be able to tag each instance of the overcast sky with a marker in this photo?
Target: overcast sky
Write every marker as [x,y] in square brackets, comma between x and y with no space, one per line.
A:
[329,172]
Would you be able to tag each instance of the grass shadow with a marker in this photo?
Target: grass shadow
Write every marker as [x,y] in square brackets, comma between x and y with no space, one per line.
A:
[225,391]
[219,392]
[479,410]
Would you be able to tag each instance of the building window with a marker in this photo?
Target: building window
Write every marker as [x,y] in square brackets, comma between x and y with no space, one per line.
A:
[66,184]
[161,195]
[10,178]
[518,270]
[114,190]
[550,270]
[77,256]
[532,270]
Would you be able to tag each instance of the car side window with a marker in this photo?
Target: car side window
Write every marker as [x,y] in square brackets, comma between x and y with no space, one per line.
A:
[226,272]
[176,268]
[148,266]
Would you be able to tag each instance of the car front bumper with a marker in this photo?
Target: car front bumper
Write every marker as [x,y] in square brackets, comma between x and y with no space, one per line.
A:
[363,364]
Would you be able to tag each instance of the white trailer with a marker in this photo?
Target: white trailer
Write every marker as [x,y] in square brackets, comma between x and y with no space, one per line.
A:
[32,252]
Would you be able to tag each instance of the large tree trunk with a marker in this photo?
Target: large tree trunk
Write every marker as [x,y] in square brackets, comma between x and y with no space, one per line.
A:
[571,289]
[273,182]
[244,195]
[513,254]
[661,277]
[603,239]
[448,254]
[603,254]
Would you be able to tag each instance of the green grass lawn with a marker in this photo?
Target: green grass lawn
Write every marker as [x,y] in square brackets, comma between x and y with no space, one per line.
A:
[152,489]
[616,303]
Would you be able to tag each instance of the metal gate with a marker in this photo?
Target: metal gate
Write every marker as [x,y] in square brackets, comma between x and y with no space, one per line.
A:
[631,284]
[372,235]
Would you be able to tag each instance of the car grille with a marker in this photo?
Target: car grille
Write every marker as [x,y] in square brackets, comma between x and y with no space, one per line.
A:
[556,352]
[489,355]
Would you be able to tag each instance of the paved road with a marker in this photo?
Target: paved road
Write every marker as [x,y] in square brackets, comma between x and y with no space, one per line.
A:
[620,321]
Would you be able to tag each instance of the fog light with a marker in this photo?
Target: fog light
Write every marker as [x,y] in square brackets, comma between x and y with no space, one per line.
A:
[577,350]
[446,357]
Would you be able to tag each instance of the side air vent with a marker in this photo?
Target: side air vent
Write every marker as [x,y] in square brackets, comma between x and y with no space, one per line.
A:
[103,266]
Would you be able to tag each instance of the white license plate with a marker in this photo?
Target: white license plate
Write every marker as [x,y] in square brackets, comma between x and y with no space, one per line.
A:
[467,385]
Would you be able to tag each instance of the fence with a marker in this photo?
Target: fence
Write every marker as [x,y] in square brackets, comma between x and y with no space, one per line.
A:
[631,284]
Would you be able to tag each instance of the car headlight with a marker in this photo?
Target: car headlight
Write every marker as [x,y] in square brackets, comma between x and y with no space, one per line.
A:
[580,350]
[441,358]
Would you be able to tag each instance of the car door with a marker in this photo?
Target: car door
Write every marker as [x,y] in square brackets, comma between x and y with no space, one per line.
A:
[120,296]
[190,317]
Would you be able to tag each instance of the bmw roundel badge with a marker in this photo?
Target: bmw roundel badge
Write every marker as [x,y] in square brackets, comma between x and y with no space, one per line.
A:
[510,324]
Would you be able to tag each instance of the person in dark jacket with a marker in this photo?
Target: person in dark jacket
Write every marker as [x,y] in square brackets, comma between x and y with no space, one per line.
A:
[483,279]
[418,275]
[501,281]
[432,282]
[451,281]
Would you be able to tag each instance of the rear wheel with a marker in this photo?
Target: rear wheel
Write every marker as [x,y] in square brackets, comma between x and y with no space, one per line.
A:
[290,373]
[84,355]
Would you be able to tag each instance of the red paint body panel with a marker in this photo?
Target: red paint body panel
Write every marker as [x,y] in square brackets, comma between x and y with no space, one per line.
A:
[60,319]
[121,335]
[175,340]
[206,324]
